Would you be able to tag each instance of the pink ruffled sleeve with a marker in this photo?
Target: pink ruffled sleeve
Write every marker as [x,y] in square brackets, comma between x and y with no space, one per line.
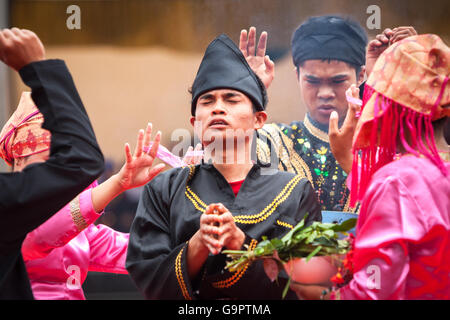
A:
[389,219]
[62,227]
[108,249]
[381,278]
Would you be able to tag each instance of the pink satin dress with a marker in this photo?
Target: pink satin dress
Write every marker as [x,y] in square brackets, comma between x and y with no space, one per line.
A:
[60,252]
[402,248]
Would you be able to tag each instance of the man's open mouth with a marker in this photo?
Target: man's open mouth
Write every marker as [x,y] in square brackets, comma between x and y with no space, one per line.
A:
[217,123]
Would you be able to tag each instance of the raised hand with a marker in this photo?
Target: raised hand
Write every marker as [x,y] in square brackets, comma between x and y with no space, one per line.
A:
[341,139]
[401,33]
[19,47]
[382,41]
[138,169]
[258,60]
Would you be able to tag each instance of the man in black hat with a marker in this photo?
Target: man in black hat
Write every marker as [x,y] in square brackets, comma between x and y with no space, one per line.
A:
[329,54]
[186,216]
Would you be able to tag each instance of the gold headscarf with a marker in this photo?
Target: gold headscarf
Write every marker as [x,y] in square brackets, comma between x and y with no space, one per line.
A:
[23,135]
[407,90]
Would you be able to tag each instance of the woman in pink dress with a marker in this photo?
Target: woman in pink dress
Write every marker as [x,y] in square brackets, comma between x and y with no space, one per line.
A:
[401,175]
[60,252]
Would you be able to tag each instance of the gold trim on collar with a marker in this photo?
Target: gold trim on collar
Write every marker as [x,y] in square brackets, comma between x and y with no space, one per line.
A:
[267,212]
[249,219]
[316,132]
[294,159]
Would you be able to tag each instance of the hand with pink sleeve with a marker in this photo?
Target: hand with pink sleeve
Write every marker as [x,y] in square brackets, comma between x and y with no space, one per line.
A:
[88,206]
[136,171]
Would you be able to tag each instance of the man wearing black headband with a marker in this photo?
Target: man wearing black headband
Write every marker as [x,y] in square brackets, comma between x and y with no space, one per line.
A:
[186,216]
[329,54]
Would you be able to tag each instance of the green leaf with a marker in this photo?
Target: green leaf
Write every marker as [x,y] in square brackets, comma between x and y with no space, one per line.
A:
[300,236]
[286,288]
[264,247]
[312,254]
[263,243]
[260,251]
[326,226]
[324,241]
[328,233]
[343,243]
[277,243]
[288,236]
[345,225]
[311,237]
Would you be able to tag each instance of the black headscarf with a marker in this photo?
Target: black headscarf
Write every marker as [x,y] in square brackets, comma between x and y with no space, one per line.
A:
[225,67]
[329,38]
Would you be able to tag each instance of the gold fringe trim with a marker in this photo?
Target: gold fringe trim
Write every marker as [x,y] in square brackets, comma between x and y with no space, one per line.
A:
[237,275]
[179,274]
[285,224]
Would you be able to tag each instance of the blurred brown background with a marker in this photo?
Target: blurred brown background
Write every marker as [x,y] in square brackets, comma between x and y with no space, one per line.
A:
[133,62]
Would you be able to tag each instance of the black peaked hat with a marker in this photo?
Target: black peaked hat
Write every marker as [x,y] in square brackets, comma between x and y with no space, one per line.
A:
[225,67]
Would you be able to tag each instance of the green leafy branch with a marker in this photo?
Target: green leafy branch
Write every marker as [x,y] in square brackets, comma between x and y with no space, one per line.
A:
[317,239]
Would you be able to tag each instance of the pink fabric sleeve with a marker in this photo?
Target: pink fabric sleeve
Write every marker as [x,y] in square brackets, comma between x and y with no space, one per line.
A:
[62,227]
[389,219]
[381,278]
[108,249]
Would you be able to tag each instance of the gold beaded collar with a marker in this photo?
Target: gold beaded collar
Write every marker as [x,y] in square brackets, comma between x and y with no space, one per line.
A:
[316,132]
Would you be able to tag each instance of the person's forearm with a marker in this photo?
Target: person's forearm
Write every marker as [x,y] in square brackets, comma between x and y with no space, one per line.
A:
[61,228]
[196,255]
[104,193]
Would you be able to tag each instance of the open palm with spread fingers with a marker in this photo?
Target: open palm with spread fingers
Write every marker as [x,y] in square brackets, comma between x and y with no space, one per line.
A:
[341,139]
[256,55]
[138,169]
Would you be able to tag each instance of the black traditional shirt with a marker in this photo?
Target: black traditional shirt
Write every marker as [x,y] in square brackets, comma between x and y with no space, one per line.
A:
[168,215]
[304,149]
[28,198]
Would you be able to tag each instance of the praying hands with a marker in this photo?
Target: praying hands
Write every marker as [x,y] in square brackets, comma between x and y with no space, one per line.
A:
[217,230]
